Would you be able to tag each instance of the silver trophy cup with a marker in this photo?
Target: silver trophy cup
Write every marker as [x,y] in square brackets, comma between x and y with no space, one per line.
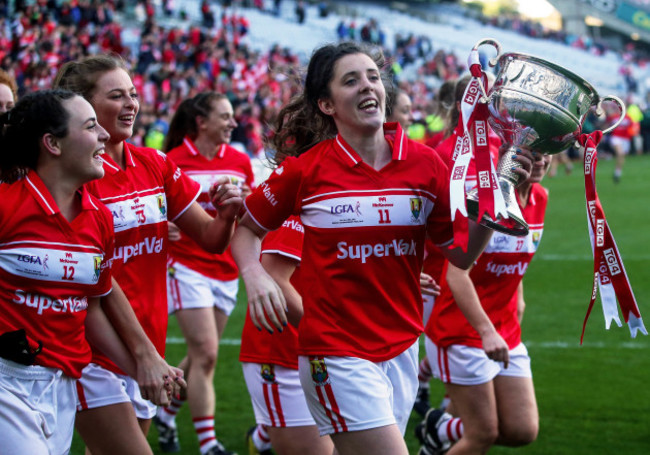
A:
[537,105]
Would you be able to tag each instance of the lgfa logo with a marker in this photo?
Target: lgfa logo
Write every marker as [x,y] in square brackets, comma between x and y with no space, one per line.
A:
[30,259]
[342,209]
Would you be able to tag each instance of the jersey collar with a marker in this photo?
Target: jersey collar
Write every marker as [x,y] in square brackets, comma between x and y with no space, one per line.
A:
[391,130]
[43,197]
[193,150]
[112,167]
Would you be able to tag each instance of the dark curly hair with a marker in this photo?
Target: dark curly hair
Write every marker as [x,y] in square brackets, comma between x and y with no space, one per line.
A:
[300,124]
[23,127]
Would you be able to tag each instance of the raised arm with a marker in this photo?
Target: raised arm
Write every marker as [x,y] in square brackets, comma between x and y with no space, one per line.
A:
[265,298]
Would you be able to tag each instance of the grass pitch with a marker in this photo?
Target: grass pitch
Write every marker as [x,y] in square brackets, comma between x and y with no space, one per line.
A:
[593,399]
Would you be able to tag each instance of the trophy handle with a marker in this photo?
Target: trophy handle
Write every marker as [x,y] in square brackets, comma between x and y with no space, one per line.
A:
[495,44]
[492,62]
[621,106]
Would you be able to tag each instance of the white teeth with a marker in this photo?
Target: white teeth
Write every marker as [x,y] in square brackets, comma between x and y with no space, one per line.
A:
[367,104]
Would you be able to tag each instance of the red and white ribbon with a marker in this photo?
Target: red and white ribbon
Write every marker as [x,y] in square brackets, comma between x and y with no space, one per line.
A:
[473,141]
[610,276]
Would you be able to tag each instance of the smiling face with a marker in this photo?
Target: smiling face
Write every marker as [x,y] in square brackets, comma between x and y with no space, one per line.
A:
[402,112]
[116,104]
[357,96]
[540,167]
[81,149]
[6,98]
[219,124]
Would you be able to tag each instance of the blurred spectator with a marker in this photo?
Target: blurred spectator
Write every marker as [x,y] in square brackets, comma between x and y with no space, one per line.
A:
[8,92]
[300,11]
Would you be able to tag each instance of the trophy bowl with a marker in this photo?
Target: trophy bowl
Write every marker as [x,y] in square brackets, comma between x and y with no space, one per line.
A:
[536,105]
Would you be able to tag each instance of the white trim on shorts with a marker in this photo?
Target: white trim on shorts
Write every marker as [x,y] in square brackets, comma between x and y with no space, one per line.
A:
[277,396]
[465,365]
[37,409]
[352,394]
[100,387]
[188,289]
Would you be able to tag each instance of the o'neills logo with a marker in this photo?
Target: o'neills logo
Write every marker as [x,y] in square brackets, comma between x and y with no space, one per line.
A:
[395,248]
[42,303]
[589,154]
[600,232]
[481,132]
[612,263]
[268,194]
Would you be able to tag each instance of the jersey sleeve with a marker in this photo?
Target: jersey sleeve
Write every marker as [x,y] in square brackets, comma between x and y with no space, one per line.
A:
[285,241]
[180,190]
[277,198]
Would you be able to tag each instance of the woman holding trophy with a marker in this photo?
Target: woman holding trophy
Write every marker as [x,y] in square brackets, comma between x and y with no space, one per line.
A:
[366,197]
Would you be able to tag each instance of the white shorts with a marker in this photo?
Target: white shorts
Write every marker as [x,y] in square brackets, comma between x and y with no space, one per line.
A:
[189,289]
[100,387]
[351,394]
[464,365]
[621,143]
[37,410]
[277,396]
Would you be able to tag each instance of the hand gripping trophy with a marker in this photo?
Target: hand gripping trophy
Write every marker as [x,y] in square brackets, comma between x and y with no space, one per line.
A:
[540,106]
[537,105]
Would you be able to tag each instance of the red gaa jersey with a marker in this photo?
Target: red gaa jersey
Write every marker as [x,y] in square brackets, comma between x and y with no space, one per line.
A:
[495,275]
[49,267]
[230,162]
[364,241]
[142,197]
[278,348]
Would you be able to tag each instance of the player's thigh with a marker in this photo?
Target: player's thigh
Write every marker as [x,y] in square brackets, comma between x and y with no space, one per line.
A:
[386,440]
[294,440]
[518,414]
[111,430]
[476,405]
[199,329]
